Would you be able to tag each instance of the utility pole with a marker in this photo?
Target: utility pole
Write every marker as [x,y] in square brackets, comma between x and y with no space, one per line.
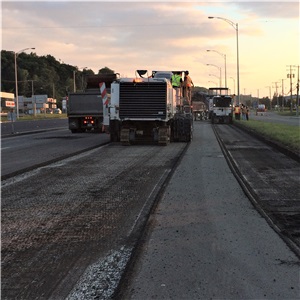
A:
[74,82]
[291,76]
[32,98]
[276,93]
[282,93]
[297,109]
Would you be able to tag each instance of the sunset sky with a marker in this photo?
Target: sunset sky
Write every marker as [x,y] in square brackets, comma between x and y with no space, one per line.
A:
[170,35]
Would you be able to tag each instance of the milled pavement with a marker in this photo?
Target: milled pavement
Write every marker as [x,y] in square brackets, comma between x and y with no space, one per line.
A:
[206,241]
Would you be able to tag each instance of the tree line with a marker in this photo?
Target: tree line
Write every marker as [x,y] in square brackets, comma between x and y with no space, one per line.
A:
[39,75]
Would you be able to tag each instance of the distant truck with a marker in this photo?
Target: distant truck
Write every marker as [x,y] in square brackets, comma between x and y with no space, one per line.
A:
[220,105]
[222,110]
[199,110]
[85,110]
[261,109]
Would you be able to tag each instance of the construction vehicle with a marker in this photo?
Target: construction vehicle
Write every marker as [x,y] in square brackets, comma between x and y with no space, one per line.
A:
[220,106]
[144,110]
[199,110]
[222,109]
[200,105]
[261,109]
[86,109]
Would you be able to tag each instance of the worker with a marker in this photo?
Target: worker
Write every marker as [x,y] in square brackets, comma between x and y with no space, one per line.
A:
[244,112]
[188,83]
[237,112]
[176,83]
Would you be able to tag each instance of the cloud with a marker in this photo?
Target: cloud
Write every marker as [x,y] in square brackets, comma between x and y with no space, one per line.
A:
[271,9]
[126,36]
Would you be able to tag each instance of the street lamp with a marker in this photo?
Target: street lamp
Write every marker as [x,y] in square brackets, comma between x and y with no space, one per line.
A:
[220,72]
[16,78]
[236,27]
[224,55]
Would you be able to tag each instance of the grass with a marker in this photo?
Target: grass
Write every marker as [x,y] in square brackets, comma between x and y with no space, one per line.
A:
[288,136]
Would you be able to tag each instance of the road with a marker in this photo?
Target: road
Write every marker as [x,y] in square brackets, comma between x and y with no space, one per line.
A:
[7,128]
[273,117]
[69,228]
[60,219]
[24,152]
[205,240]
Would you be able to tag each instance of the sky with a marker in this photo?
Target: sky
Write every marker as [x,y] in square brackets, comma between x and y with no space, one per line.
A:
[171,35]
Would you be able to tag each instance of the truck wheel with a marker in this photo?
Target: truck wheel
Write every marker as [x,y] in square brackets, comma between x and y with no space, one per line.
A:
[74,130]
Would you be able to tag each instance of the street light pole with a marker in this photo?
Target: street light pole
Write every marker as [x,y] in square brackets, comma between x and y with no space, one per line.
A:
[16,78]
[236,27]
[224,55]
[220,72]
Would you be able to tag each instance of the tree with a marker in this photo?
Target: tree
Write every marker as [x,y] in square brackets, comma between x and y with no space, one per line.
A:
[44,73]
[106,70]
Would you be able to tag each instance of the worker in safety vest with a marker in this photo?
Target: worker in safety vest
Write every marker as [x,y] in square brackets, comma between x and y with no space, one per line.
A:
[237,112]
[188,83]
[176,83]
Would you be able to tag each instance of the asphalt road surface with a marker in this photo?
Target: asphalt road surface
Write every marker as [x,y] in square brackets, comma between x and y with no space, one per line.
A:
[21,153]
[273,117]
[206,241]
[59,220]
[25,126]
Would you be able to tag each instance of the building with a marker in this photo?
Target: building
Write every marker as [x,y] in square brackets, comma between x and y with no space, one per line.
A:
[7,102]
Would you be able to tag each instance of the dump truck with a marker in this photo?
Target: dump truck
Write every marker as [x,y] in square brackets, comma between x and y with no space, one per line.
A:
[199,110]
[86,109]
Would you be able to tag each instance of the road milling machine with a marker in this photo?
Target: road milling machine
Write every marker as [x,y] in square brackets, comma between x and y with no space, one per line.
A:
[144,110]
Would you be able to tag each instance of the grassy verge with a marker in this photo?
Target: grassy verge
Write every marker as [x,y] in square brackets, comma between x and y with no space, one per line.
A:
[287,136]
